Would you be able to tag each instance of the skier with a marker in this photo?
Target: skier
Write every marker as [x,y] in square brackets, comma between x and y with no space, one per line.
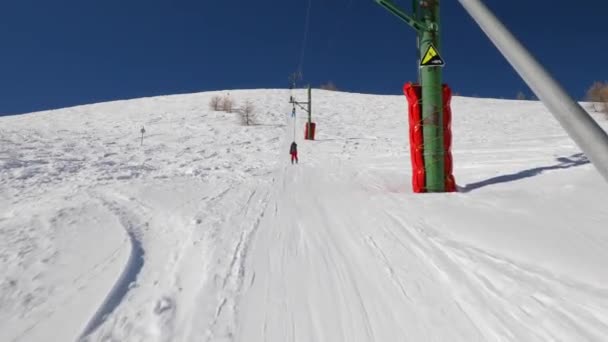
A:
[293,150]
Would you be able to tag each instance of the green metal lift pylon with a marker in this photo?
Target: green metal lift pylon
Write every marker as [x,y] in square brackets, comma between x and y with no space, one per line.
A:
[426,23]
[309,123]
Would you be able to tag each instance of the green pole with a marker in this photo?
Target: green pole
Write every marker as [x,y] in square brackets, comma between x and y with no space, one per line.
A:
[432,103]
[426,23]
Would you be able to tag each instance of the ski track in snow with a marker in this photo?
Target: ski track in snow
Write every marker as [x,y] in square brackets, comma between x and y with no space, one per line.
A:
[206,233]
[129,273]
[487,282]
[232,282]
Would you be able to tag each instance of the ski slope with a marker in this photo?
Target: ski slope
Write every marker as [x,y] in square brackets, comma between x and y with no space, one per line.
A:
[206,232]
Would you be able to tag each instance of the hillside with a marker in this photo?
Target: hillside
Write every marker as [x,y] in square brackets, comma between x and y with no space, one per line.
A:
[206,232]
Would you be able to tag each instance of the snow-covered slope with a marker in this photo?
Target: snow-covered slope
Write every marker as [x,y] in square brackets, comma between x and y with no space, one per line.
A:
[207,233]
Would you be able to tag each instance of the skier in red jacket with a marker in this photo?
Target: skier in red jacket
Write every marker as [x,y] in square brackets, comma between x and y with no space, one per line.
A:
[293,150]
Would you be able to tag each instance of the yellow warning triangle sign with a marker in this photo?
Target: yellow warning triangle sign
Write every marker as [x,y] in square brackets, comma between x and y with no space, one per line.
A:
[431,57]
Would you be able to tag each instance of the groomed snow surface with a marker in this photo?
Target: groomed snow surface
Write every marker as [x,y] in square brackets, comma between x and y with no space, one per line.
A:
[206,232]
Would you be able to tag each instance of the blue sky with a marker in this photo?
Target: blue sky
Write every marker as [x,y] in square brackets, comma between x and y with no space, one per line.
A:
[61,53]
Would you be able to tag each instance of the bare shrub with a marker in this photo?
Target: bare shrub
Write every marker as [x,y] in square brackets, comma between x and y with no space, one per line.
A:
[598,94]
[329,86]
[227,104]
[247,113]
[216,103]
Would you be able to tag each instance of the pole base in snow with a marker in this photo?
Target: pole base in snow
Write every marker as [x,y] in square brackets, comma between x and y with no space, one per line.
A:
[309,132]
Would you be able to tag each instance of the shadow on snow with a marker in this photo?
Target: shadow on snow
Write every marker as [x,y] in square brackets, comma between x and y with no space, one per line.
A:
[564,163]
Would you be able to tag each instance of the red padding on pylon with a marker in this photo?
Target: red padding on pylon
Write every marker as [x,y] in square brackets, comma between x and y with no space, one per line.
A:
[413,93]
[450,181]
[313,127]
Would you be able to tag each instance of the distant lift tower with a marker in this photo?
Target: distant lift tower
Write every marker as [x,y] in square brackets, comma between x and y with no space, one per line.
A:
[309,129]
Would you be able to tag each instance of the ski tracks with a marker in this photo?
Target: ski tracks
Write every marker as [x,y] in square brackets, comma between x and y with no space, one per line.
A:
[132,227]
[144,301]
[503,298]
[225,320]
[326,268]
[308,276]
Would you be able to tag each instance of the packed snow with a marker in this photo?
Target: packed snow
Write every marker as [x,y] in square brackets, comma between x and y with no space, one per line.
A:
[204,230]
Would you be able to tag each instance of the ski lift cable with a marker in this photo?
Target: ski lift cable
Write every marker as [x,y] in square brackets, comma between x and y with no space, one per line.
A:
[305,39]
[298,74]
[339,24]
